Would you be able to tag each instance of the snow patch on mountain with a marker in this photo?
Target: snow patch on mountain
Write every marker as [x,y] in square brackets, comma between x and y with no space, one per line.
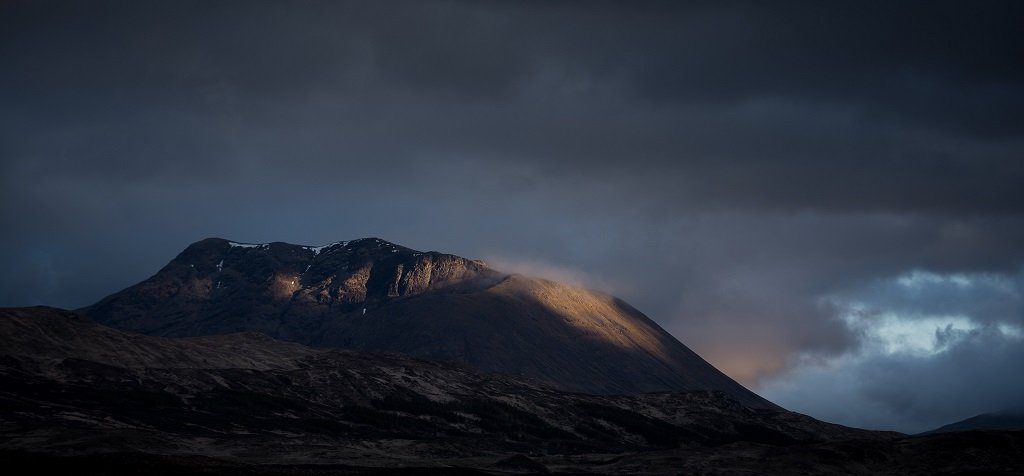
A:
[318,249]
[248,245]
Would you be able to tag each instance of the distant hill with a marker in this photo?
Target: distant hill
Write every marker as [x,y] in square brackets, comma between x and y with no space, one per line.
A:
[1006,420]
[372,295]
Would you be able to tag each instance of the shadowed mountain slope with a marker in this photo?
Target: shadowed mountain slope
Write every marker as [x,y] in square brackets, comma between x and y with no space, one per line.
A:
[67,383]
[373,295]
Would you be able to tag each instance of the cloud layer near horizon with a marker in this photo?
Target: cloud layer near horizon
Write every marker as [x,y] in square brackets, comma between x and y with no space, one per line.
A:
[732,169]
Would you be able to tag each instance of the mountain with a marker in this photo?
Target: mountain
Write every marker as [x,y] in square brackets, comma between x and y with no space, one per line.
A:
[77,396]
[373,295]
[1006,420]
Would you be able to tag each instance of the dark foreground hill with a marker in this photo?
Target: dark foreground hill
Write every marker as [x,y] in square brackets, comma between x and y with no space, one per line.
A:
[373,295]
[81,397]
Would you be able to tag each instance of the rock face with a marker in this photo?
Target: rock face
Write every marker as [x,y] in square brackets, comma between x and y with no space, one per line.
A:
[217,286]
[373,295]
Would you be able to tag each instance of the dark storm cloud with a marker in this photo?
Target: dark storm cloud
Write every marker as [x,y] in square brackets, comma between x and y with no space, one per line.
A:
[725,166]
[913,393]
[933,348]
[750,105]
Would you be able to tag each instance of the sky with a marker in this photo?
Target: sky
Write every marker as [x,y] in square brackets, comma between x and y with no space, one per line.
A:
[823,199]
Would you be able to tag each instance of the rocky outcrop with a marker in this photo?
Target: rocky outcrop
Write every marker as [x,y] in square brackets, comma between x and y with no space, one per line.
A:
[216,286]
